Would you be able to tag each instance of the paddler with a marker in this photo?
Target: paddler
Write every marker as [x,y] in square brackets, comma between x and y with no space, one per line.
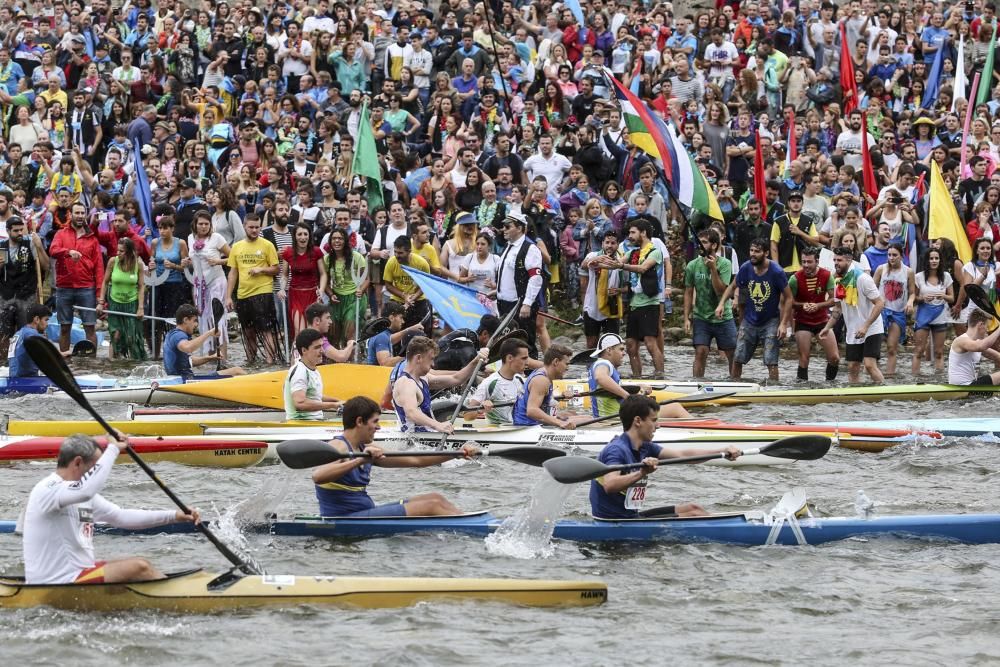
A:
[620,494]
[603,375]
[318,318]
[969,348]
[304,399]
[58,522]
[341,487]
[21,363]
[499,391]
[412,381]
[180,345]
[534,405]
[813,290]
[381,346]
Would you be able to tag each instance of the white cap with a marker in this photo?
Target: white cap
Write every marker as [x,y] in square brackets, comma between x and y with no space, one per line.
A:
[605,342]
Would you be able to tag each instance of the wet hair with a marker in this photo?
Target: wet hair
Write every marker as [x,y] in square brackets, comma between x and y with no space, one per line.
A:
[511,347]
[184,311]
[555,353]
[359,407]
[306,338]
[634,406]
[314,312]
[420,345]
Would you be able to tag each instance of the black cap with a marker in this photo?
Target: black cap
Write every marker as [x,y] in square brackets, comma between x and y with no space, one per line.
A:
[188,183]
[794,194]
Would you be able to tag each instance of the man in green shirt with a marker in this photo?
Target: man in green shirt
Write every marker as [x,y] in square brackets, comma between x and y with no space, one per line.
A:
[706,279]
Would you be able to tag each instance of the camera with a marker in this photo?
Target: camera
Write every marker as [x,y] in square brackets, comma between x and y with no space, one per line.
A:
[896,200]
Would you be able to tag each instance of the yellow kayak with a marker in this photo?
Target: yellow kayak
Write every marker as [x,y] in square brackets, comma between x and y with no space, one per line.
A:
[266,390]
[194,591]
[62,429]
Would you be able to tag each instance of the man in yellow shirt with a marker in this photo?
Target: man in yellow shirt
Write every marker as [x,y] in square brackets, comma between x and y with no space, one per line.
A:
[792,232]
[423,247]
[254,263]
[401,287]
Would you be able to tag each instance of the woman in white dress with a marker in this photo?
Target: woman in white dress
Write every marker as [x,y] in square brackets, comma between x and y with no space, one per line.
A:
[208,252]
[479,269]
[934,298]
[461,244]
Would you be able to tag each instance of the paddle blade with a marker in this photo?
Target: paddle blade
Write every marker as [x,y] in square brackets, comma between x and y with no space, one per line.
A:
[574,469]
[532,455]
[495,347]
[84,349]
[978,296]
[300,454]
[799,447]
[583,357]
[218,311]
[53,366]
[373,328]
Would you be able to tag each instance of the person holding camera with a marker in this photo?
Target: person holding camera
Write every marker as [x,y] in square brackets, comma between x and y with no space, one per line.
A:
[894,211]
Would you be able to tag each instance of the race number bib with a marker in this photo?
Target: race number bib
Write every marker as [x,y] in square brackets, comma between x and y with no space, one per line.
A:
[635,495]
[13,347]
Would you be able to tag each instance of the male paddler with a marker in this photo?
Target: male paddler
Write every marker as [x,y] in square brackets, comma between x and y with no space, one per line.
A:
[58,522]
[412,381]
[620,494]
[318,318]
[180,345]
[534,405]
[341,486]
[603,375]
[21,363]
[505,385]
[969,348]
[304,399]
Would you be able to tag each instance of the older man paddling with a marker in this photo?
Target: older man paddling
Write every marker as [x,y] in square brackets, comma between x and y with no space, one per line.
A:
[341,486]
[58,522]
[620,495]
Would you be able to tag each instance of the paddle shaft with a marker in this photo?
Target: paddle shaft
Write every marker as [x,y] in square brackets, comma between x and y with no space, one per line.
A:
[168,320]
[700,458]
[558,319]
[689,398]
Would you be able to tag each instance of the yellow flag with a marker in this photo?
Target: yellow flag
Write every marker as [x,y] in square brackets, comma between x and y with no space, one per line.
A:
[944,220]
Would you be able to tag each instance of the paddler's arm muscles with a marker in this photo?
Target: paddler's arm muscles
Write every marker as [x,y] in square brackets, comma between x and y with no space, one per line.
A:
[423,461]
[616,482]
[404,395]
[607,383]
[72,493]
[673,453]
[331,472]
[533,409]
[108,512]
[307,404]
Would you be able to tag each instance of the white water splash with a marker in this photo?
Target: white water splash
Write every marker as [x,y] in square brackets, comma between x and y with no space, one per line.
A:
[528,532]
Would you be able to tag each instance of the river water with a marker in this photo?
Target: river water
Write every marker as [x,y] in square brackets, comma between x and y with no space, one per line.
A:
[866,602]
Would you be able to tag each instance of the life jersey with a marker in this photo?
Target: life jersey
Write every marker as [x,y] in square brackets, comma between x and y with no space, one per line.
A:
[811,290]
[521,406]
[602,405]
[348,494]
[425,405]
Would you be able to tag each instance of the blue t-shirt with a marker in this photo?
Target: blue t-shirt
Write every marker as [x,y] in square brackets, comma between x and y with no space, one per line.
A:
[619,451]
[935,37]
[761,295]
[381,342]
[21,365]
[175,361]
[876,257]
[520,413]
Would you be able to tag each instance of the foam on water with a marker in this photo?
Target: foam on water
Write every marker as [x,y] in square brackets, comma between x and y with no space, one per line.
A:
[528,532]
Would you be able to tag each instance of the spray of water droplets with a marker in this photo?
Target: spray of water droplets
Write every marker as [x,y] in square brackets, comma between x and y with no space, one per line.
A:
[528,532]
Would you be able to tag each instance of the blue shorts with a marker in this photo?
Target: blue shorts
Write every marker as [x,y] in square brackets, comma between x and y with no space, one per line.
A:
[387,510]
[724,333]
[751,335]
[67,297]
[897,317]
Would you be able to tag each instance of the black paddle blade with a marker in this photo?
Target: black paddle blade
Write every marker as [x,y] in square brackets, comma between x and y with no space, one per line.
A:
[373,328]
[218,311]
[978,296]
[53,366]
[300,454]
[84,349]
[799,447]
[532,455]
[574,469]
[495,347]
[583,357]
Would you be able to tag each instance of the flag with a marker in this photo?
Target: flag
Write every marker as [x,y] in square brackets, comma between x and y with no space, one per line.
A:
[574,6]
[920,188]
[143,193]
[689,185]
[636,81]
[791,148]
[457,305]
[867,171]
[960,78]
[759,182]
[933,86]
[847,82]
[910,257]
[944,220]
[366,160]
[641,124]
[986,84]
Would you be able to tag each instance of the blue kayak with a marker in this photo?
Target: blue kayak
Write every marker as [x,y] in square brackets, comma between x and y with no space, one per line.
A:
[735,529]
[949,427]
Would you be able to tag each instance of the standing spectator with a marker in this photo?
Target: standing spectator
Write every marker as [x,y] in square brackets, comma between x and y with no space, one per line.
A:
[706,278]
[79,272]
[254,264]
[125,290]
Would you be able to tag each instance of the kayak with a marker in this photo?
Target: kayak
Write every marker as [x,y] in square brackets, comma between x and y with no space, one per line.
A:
[197,591]
[96,387]
[192,451]
[266,390]
[62,429]
[866,394]
[949,427]
[856,429]
[589,440]
[748,529]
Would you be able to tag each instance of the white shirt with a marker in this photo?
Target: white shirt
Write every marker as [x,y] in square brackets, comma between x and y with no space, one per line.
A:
[499,389]
[615,279]
[552,168]
[419,60]
[211,250]
[723,52]
[303,378]
[318,23]
[480,271]
[58,523]
[506,289]
[855,316]
[291,65]
[850,143]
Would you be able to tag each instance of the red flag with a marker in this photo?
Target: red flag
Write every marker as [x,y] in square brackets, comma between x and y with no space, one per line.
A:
[920,189]
[759,183]
[848,86]
[867,171]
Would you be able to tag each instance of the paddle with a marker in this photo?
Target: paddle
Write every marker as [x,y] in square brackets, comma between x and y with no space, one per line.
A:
[495,347]
[687,398]
[559,319]
[218,312]
[978,296]
[574,469]
[168,320]
[84,348]
[479,364]
[583,357]
[298,454]
[630,388]
[51,363]
[373,328]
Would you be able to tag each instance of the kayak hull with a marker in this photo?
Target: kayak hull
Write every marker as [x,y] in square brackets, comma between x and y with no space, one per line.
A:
[737,529]
[192,451]
[193,592]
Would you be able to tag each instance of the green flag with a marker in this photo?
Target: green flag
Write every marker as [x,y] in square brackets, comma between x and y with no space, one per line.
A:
[366,160]
[986,82]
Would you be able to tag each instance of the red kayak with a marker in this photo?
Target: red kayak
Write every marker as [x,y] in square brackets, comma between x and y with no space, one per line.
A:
[852,429]
[208,451]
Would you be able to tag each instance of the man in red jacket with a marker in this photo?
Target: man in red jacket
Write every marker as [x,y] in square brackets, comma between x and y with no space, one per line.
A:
[79,270]
[120,230]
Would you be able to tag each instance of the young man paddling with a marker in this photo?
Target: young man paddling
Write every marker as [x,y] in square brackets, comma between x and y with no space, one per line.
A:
[603,375]
[21,363]
[180,345]
[304,399]
[969,348]
[58,522]
[534,405]
[341,486]
[620,495]
[505,385]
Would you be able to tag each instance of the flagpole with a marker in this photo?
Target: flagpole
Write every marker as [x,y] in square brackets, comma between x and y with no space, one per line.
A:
[496,58]
[968,120]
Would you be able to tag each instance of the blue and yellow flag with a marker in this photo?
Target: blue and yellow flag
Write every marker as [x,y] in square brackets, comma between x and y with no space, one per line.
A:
[458,305]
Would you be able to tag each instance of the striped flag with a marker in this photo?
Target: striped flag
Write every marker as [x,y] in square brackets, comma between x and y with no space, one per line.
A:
[641,124]
[791,147]
[690,186]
